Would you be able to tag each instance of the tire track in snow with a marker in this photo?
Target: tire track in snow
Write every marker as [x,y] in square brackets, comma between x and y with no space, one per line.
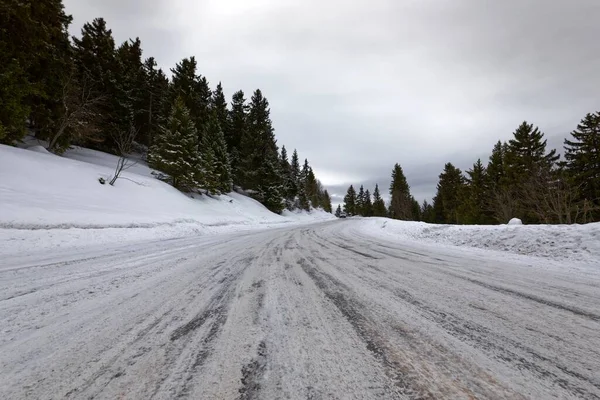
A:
[373,341]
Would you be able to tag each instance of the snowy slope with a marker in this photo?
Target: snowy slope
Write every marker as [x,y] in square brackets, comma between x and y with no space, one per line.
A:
[42,191]
[558,242]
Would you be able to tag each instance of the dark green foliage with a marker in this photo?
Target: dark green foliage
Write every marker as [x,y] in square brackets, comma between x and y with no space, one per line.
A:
[259,157]
[94,56]
[193,89]
[360,201]
[34,55]
[367,204]
[326,202]
[153,102]
[270,190]
[415,209]
[526,164]
[290,185]
[401,204]
[215,159]
[582,155]
[474,205]
[258,147]
[378,204]
[127,100]
[175,151]
[427,212]
[350,201]
[311,185]
[527,152]
[338,211]
[235,130]
[218,105]
[447,201]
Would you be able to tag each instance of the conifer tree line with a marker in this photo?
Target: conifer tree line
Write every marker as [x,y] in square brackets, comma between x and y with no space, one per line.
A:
[89,91]
[522,179]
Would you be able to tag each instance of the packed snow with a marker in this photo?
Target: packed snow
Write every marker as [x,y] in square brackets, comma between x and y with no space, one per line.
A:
[578,243]
[42,194]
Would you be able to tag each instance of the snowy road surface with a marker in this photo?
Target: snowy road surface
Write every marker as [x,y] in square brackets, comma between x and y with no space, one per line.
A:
[315,312]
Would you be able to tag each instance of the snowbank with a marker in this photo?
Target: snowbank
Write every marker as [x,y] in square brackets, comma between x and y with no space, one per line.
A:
[42,191]
[559,242]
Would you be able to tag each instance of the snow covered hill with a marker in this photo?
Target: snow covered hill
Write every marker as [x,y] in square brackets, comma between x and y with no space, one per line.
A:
[40,191]
[558,242]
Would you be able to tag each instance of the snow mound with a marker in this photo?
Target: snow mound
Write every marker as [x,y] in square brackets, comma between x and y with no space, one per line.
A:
[515,221]
[41,191]
[579,243]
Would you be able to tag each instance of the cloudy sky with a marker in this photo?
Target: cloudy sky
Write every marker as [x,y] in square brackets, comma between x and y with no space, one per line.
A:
[357,86]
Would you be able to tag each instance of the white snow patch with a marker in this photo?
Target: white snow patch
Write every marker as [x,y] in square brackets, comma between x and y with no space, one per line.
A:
[577,243]
[515,221]
[41,195]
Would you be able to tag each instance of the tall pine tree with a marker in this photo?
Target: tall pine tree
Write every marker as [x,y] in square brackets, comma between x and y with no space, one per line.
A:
[447,201]
[582,155]
[350,201]
[175,152]
[217,169]
[378,203]
[400,197]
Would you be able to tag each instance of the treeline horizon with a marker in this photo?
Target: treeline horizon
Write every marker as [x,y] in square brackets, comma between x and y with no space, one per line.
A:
[88,91]
[520,180]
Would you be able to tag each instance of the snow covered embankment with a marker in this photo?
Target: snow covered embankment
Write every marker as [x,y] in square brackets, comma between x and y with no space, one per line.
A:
[42,194]
[579,243]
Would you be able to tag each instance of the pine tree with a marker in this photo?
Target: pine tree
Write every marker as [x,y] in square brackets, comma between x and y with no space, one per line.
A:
[296,172]
[49,64]
[154,101]
[427,212]
[360,201]
[18,42]
[127,99]
[193,90]
[401,199]
[218,105]
[326,202]
[260,171]
[415,209]
[258,146]
[290,189]
[447,201]
[378,204]
[501,196]
[527,151]
[582,155]
[338,211]
[474,202]
[94,56]
[235,130]
[350,201]
[214,150]
[175,152]
[527,164]
[367,204]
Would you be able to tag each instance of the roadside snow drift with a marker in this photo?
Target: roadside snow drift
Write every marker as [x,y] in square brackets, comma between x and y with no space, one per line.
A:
[42,191]
[559,242]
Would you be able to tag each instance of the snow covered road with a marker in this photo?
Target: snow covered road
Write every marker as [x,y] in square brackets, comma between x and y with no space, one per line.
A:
[306,312]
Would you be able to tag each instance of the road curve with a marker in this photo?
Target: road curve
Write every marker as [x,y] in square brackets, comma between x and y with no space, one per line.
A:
[312,312]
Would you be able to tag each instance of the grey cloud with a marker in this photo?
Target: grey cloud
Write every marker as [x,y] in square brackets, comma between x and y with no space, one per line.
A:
[358,86]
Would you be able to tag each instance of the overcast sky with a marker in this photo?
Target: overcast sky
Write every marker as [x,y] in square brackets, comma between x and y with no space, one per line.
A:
[357,86]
